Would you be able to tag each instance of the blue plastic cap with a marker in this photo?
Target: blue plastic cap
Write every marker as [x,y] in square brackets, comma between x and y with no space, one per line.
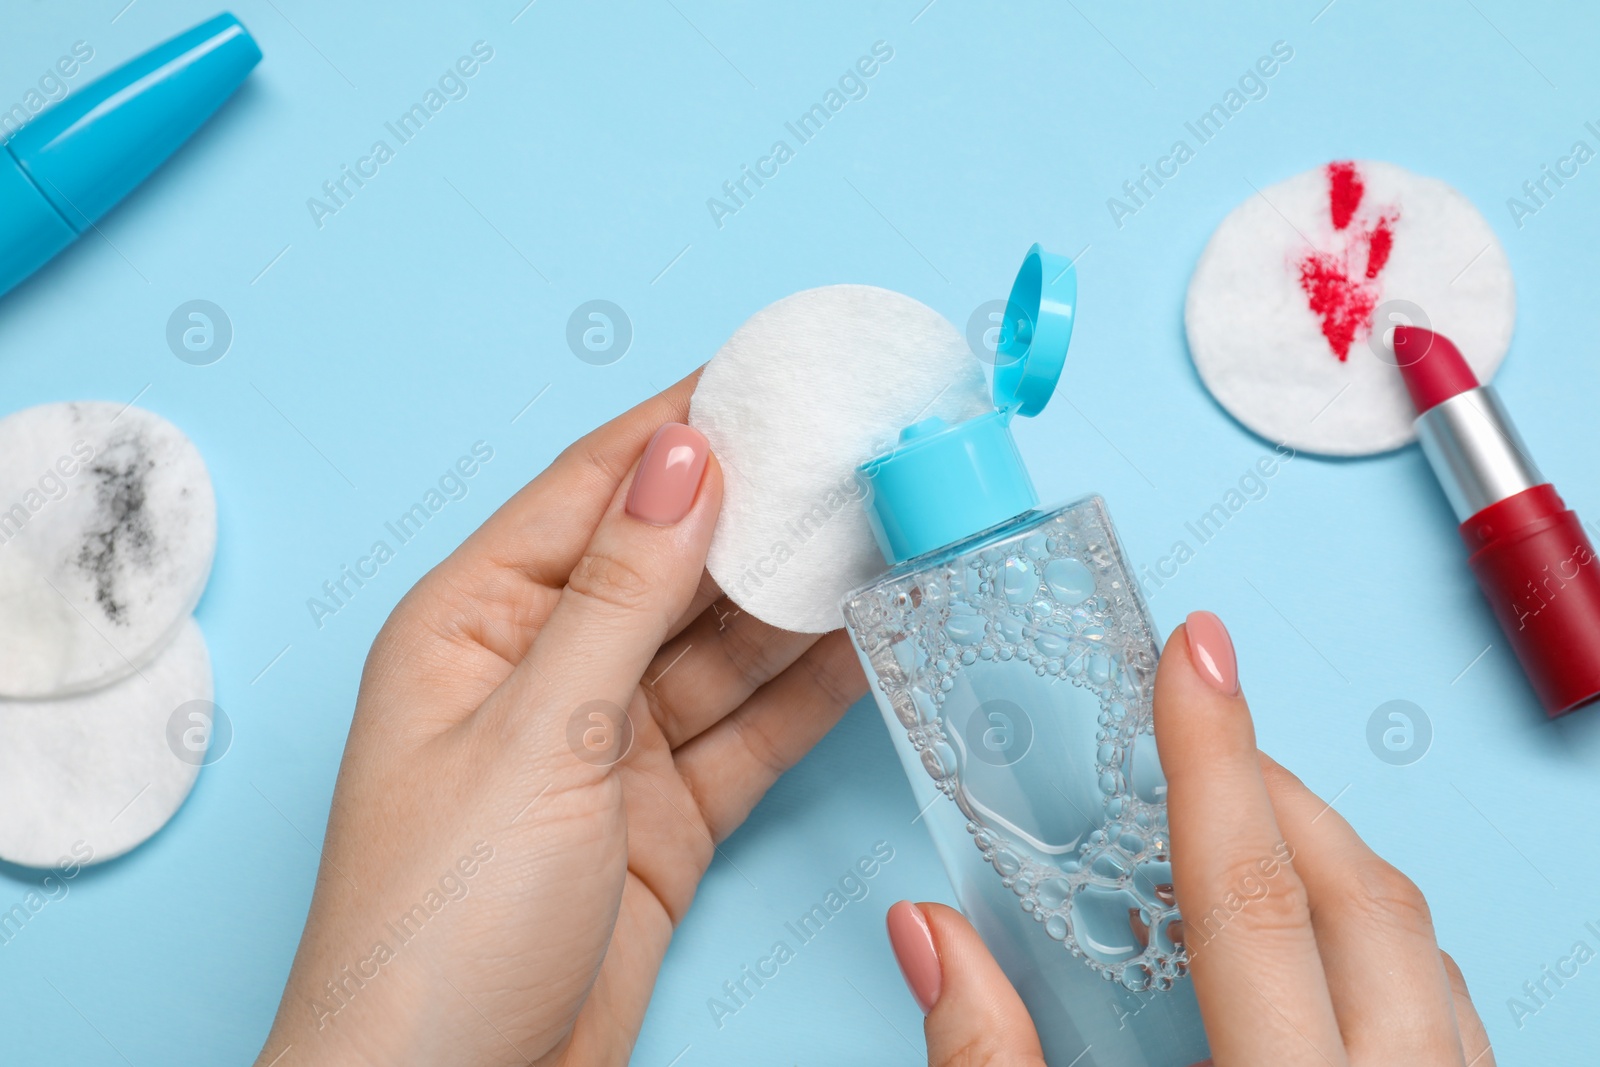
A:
[1035,333]
[941,483]
[31,230]
[91,150]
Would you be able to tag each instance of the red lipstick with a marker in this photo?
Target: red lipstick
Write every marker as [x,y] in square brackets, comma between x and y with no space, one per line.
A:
[1531,557]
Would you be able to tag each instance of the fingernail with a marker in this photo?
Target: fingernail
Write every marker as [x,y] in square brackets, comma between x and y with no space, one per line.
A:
[912,942]
[669,475]
[1211,650]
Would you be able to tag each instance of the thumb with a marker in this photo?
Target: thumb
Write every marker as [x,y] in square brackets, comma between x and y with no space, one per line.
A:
[638,575]
[974,1016]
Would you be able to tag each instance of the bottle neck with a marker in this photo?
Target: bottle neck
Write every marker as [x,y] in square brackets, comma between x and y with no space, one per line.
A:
[939,488]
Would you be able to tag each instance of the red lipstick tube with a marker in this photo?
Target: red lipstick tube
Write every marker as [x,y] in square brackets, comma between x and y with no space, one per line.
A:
[1531,557]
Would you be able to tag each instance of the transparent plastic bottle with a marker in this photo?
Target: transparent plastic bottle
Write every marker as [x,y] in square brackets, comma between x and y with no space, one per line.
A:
[1012,657]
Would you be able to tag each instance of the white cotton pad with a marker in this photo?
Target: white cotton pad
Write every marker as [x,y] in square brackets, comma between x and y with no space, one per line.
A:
[805,391]
[1290,304]
[107,529]
[98,769]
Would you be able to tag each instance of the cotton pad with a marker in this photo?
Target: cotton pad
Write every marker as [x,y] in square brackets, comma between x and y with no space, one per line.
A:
[107,530]
[97,769]
[1292,298]
[805,391]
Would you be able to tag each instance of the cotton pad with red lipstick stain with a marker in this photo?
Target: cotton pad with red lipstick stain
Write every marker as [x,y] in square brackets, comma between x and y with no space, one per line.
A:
[1290,302]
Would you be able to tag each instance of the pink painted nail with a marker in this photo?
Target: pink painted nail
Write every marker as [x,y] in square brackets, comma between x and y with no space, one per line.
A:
[912,942]
[1211,650]
[663,490]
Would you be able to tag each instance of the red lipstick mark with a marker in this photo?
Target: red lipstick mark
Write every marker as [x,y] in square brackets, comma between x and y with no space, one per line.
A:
[1345,307]
[1337,294]
[1345,189]
[1380,242]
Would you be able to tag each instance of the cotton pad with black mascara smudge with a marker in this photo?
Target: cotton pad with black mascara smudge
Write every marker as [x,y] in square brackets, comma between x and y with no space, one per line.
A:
[108,526]
[808,388]
[100,772]
[1290,302]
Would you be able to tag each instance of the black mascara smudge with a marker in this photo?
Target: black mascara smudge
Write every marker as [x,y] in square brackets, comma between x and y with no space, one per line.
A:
[120,536]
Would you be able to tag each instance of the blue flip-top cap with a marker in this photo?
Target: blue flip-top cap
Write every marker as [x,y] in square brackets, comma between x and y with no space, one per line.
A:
[943,483]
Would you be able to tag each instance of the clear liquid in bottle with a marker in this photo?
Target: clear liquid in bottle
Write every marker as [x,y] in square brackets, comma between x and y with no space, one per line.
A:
[1013,658]
[1014,671]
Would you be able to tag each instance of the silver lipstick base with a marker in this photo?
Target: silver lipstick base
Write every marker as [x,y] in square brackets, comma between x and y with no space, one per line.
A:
[1475,451]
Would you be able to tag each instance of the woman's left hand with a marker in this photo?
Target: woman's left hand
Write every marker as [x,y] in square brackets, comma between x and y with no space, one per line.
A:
[554,730]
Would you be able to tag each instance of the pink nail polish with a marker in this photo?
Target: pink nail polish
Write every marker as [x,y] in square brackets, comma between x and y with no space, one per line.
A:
[1211,650]
[664,488]
[912,942]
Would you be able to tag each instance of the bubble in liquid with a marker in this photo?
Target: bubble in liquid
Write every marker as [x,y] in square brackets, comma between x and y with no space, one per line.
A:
[965,629]
[906,656]
[938,761]
[1020,582]
[1149,783]
[1051,644]
[1108,866]
[1102,919]
[1069,580]
[1152,880]
[1053,893]
[972,580]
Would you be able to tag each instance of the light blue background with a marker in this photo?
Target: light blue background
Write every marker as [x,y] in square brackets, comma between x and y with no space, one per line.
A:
[379,347]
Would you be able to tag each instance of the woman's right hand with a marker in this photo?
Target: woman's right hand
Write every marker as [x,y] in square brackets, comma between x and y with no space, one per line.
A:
[1334,963]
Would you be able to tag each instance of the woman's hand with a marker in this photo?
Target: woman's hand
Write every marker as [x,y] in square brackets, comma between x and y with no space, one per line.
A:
[554,730]
[1336,963]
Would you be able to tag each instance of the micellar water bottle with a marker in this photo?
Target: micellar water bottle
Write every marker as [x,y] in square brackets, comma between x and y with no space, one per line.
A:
[1012,657]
